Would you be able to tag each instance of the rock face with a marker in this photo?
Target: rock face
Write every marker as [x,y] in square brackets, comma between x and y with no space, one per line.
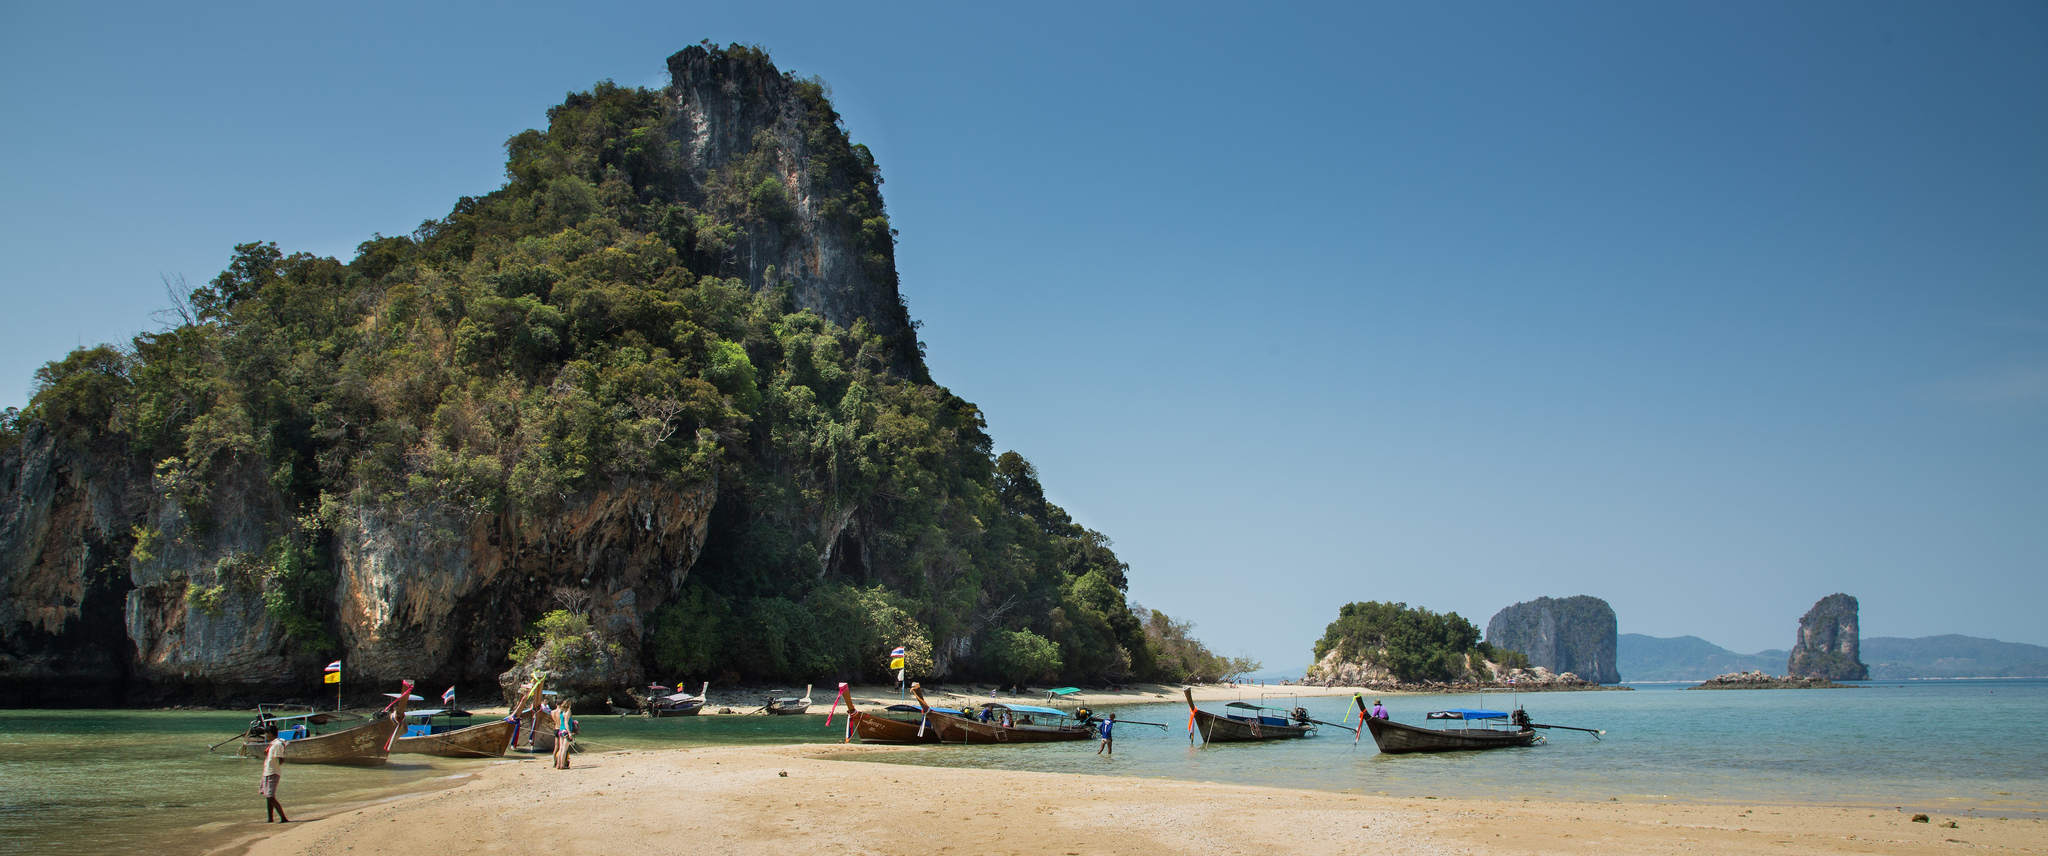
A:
[91,614]
[1828,642]
[832,245]
[1573,634]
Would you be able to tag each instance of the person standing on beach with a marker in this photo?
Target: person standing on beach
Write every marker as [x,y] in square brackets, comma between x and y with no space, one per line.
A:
[1108,739]
[273,760]
[564,728]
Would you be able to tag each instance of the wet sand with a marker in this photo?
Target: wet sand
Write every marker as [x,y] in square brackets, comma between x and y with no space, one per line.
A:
[750,800]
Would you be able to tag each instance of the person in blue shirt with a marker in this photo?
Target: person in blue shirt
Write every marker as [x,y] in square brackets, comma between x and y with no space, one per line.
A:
[1108,739]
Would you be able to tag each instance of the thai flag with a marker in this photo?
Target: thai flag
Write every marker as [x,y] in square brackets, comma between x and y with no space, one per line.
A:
[896,653]
[449,696]
[333,667]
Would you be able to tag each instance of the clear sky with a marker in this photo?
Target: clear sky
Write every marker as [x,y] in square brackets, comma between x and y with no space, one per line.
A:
[1708,309]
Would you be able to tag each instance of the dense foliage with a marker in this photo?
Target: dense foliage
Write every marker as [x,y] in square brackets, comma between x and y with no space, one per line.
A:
[577,329]
[1180,658]
[1412,643]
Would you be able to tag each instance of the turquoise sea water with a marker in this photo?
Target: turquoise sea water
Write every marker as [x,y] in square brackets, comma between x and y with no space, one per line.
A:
[83,782]
[1946,745]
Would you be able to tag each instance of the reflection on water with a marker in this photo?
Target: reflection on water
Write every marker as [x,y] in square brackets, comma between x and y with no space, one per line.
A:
[87,782]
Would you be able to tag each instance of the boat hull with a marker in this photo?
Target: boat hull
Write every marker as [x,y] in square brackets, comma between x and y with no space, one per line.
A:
[879,729]
[1216,728]
[489,740]
[954,729]
[365,745]
[1395,738]
[780,709]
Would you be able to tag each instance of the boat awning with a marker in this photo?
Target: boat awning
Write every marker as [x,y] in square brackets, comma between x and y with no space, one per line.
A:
[911,708]
[1028,708]
[423,714]
[678,697]
[408,697]
[1062,691]
[1249,706]
[1467,713]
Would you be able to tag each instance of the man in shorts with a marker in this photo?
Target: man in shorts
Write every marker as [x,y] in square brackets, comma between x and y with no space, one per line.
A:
[273,759]
[1108,737]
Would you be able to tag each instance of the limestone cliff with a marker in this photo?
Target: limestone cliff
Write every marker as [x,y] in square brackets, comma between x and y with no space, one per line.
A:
[1573,634]
[826,237]
[1828,642]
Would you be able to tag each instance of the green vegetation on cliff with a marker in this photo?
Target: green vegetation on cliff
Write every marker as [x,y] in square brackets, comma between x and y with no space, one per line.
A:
[1411,643]
[581,328]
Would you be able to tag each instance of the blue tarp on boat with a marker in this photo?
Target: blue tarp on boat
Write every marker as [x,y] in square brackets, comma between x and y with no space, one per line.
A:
[1467,713]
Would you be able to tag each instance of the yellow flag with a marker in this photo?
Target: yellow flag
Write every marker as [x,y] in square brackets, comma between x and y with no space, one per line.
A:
[332,678]
[896,663]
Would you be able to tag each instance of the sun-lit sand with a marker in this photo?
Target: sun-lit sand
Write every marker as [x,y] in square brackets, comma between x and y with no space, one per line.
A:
[753,800]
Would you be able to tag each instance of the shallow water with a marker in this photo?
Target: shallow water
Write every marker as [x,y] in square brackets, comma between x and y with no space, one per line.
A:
[88,782]
[1947,745]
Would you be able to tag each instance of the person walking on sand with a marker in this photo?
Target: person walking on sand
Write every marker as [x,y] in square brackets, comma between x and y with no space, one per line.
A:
[1108,738]
[266,787]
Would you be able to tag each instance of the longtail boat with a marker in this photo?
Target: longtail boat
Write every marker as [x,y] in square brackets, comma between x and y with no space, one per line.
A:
[658,702]
[424,736]
[1254,724]
[790,706]
[365,745]
[1396,738]
[873,728]
[1023,727]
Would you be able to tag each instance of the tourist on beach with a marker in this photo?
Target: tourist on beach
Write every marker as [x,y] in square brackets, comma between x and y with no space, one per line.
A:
[267,786]
[1379,711]
[1108,740]
[564,727]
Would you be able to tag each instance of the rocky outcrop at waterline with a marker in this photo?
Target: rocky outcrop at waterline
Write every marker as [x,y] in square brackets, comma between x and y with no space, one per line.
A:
[1829,642]
[1761,681]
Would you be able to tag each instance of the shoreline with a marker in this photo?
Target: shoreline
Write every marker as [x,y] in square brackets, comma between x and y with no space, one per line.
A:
[733,799]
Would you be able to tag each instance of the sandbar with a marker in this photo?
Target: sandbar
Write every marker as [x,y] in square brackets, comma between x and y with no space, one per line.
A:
[808,798]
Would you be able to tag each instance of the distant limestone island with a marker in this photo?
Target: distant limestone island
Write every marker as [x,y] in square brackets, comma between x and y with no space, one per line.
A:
[1571,643]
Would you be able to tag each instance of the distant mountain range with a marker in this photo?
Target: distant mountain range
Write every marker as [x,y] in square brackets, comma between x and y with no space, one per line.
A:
[1690,658]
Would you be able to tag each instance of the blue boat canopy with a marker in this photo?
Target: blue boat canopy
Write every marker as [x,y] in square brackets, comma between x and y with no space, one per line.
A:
[1467,713]
[1028,708]
[1063,690]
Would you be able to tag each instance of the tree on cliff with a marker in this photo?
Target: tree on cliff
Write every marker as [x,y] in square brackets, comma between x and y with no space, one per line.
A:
[1412,644]
[612,318]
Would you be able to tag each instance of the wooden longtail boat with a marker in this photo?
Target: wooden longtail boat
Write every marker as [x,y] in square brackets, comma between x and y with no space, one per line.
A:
[365,745]
[486,740]
[964,729]
[1253,725]
[678,703]
[1395,738]
[873,728]
[533,726]
[790,706]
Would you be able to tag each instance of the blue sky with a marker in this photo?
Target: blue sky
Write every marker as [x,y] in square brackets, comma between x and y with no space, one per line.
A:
[1709,309]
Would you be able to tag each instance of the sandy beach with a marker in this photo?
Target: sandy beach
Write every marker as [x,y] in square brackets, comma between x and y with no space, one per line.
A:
[749,800]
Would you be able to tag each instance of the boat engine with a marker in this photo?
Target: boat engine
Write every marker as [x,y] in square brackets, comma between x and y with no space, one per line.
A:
[1300,715]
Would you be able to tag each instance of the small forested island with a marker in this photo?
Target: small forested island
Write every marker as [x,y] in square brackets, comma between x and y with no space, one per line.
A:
[654,408]
[1393,646]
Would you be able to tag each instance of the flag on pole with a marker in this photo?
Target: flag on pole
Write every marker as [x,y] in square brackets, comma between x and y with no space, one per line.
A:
[449,696]
[333,673]
[896,660]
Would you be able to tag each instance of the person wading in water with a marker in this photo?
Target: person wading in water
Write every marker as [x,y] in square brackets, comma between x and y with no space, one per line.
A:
[1108,739]
[267,787]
